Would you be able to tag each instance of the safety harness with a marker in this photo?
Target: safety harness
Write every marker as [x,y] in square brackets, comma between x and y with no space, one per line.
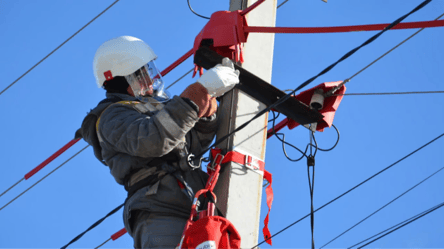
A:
[203,229]
[146,176]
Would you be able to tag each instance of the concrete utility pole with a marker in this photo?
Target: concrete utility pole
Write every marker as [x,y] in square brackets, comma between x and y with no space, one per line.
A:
[239,190]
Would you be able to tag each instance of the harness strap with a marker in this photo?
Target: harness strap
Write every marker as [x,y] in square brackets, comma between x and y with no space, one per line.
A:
[256,165]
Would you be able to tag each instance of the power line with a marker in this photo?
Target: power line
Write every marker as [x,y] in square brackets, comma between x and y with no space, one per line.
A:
[280,5]
[15,184]
[103,243]
[327,69]
[93,225]
[400,223]
[380,57]
[348,191]
[410,220]
[399,196]
[181,77]
[189,6]
[44,177]
[57,48]
[44,163]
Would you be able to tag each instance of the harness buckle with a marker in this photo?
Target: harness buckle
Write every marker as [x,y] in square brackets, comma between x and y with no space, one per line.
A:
[215,161]
[251,162]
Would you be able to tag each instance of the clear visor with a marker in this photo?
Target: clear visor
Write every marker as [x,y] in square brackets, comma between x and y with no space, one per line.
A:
[147,82]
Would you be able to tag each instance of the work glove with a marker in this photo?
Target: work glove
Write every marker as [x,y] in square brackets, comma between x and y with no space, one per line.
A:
[199,95]
[220,79]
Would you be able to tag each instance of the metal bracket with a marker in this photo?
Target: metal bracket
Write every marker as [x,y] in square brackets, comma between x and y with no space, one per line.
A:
[260,89]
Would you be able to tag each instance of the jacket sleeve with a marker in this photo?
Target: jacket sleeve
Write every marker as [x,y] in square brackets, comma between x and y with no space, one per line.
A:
[126,130]
[206,129]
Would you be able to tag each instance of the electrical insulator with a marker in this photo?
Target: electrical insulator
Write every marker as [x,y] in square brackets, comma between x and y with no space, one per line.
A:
[317,100]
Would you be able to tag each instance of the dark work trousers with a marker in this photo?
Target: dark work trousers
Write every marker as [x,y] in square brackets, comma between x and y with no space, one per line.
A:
[157,231]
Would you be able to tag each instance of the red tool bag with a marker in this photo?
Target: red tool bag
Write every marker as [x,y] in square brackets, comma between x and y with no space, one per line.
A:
[209,231]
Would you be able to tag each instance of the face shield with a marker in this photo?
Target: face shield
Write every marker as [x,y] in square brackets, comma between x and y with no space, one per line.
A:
[147,82]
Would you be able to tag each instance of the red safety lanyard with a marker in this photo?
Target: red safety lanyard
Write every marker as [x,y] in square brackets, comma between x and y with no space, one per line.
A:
[249,162]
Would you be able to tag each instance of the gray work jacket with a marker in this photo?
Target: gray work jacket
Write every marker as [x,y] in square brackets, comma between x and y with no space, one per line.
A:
[131,136]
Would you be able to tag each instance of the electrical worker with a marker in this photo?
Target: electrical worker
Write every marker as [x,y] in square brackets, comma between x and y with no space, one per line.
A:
[146,137]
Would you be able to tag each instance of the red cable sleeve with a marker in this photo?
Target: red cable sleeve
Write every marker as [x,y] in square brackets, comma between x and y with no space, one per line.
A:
[51,158]
[118,234]
[176,63]
[370,27]
[252,7]
[277,127]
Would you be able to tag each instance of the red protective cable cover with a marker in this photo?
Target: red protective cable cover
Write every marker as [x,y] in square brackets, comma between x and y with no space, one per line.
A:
[118,234]
[252,7]
[51,158]
[370,27]
[176,63]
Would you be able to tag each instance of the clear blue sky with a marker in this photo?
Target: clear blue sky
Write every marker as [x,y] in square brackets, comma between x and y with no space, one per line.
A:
[42,111]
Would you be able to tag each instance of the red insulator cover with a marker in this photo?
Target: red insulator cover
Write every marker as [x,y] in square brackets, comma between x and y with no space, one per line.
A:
[331,104]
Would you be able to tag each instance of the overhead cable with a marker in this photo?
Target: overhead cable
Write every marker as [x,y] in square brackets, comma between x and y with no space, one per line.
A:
[44,177]
[353,188]
[58,47]
[189,6]
[380,57]
[114,237]
[280,5]
[93,225]
[44,163]
[327,69]
[398,225]
[406,222]
[399,196]
[181,77]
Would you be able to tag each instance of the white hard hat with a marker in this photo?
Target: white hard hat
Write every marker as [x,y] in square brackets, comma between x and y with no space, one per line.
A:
[132,58]
[120,56]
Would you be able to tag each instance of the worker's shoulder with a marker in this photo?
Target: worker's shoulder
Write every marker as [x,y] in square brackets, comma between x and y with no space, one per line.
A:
[121,106]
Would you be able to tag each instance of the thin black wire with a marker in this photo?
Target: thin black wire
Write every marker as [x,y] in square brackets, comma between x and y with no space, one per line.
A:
[337,140]
[380,57]
[181,77]
[353,188]
[286,97]
[304,154]
[189,6]
[387,93]
[311,187]
[103,243]
[274,118]
[280,5]
[420,216]
[58,47]
[400,223]
[377,59]
[43,178]
[92,226]
[390,202]
[15,184]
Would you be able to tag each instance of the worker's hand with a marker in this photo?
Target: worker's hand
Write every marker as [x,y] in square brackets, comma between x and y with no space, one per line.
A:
[220,79]
[199,95]
[212,107]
